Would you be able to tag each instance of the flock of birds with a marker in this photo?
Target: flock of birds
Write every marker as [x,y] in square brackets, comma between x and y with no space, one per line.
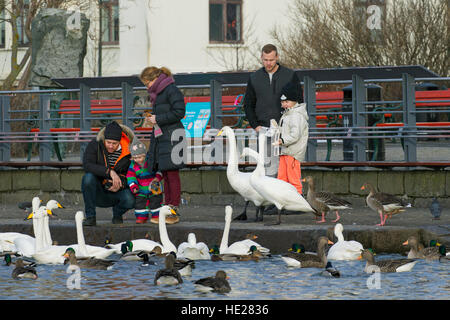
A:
[179,261]
[262,190]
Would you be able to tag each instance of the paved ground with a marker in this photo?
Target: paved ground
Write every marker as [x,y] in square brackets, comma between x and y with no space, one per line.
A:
[208,221]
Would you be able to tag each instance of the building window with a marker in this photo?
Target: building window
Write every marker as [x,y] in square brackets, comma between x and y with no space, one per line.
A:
[225,21]
[21,22]
[110,21]
[2,29]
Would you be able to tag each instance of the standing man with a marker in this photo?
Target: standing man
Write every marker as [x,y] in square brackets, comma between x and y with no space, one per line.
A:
[106,161]
[262,98]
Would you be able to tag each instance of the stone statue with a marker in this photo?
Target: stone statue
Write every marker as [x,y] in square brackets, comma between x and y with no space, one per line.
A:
[59,40]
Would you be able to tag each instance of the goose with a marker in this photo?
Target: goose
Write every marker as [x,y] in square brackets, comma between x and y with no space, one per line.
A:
[307,260]
[218,283]
[384,203]
[281,193]
[193,250]
[344,250]
[392,265]
[87,262]
[7,239]
[324,201]
[23,272]
[82,248]
[169,275]
[430,253]
[240,247]
[240,181]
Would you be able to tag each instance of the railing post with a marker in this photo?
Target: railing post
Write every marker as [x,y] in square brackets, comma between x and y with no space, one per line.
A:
[309,88]
[85,114]
[216,104]
[409,117]
[359,120]
[44,125]
[127,104]
[5,148]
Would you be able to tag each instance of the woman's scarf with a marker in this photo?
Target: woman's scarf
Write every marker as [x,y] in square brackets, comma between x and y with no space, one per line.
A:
[160,84]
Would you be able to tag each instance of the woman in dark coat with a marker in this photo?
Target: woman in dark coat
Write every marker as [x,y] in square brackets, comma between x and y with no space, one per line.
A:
[167,151]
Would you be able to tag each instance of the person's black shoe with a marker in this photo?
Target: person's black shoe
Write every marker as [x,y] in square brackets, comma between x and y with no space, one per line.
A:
[271,210]
[117,220]
[90,222]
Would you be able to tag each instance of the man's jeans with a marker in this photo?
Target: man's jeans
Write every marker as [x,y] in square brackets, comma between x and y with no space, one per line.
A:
[95,195]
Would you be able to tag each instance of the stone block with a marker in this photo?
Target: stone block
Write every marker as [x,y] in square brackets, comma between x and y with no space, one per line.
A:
[358,178]
[224,185]
[191,181]
[391,182]
[447,183]
[71,180]
[50,180]
[335,182]
[210,181]
[26,180]
[425,184]
[6,180]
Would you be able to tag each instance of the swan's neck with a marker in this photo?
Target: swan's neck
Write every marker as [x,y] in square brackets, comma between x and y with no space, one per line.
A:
[39,235]
[224,242]
[166,243]
[48,237]
[339,235]
[232,166]
[80,237]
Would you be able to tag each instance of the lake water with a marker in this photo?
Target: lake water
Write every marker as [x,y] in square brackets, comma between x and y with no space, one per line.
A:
[267,279]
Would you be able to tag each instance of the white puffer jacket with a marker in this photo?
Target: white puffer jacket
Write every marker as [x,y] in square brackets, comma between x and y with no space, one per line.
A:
[294,132]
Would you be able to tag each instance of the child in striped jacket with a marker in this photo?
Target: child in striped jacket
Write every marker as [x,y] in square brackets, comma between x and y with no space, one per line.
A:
[143,183]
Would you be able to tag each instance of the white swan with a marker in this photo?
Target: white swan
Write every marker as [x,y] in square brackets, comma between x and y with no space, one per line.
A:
[51,205]
[240,247]
[8,239]
[344,250]
[193,250]
[84,250]
[167,245]
[240,181]
[281,193]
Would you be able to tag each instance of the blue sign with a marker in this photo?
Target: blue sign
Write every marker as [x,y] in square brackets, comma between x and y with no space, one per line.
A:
[196,118]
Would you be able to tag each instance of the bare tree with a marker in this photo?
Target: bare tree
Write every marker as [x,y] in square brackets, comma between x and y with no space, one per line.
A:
[340,34]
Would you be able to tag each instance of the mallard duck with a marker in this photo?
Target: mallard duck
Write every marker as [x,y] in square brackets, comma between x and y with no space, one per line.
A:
[8,260]
[193,250]
[435,243]
[23,272]
[145,244]
[219,283]
[128,254]
[240,181]
[331,271]
[344,250]
[278,192]
[169,275]
[384,203]
[308,260]
[239,247]
[324,201]
[391,265]
[430,253]
[87,262]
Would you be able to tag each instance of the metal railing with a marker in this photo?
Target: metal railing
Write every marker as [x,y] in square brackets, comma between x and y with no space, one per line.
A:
[353,128]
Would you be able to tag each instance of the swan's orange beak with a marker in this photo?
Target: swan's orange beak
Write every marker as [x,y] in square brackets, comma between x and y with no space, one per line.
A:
[30,216]
[405,243]
[173,212]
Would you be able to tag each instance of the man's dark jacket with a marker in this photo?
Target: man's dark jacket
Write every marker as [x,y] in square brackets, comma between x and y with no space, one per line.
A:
[95,155]
[262,97]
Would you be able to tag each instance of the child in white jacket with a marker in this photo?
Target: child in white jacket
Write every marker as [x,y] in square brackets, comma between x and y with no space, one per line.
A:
[293,136]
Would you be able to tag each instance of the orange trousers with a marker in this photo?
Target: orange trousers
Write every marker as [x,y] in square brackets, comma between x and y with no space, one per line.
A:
[289,170]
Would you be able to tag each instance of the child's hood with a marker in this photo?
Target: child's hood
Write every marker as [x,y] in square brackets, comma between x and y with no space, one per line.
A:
[301,109]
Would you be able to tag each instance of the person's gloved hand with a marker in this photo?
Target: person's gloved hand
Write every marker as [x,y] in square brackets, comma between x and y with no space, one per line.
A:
[134,188]
[155,186]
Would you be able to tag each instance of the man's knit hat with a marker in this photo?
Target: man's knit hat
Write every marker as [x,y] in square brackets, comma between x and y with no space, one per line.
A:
[113,131]
[137,147]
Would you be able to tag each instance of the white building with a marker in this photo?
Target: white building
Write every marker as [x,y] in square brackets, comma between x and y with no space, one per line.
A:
[183,35]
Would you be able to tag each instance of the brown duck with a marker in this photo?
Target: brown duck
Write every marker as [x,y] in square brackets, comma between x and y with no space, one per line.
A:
[384,203]
[324,201]
[429,253]
[308,260]
[219,283]
[391,265]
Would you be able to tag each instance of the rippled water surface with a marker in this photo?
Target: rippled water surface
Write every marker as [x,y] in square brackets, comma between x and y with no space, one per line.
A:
[266,279]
